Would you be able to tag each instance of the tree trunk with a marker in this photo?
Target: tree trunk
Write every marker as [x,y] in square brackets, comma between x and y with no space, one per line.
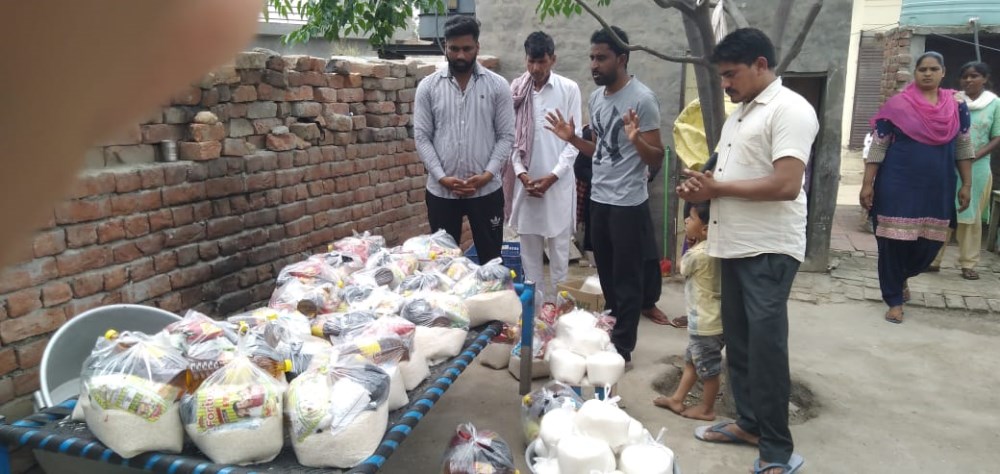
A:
[701,40]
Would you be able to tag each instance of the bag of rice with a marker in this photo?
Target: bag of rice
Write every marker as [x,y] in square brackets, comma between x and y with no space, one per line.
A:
[338,413]
[536,404]
[647,456]
[235,415]
[415,370]
[439,343]
[473,451]
[503,306]
[431,308]
[130,388]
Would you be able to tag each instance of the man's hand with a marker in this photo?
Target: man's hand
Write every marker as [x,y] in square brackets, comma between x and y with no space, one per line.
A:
[559,126]
[540,186]
[457,186]
[699,187]
[479,180]
[631,121]
[867,196]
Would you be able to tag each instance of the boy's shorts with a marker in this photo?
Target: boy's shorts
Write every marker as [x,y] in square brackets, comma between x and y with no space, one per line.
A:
[705,353]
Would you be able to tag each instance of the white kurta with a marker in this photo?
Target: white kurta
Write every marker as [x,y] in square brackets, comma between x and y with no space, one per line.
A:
[555,213]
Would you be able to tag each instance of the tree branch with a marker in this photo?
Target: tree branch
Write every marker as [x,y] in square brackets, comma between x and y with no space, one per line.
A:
[681,5]
[736,14]
[781,15]
[639,47]
[786,59]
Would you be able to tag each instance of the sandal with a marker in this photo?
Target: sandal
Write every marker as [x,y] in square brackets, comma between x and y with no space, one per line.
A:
[793,465]
[720,428]
[970,274]
[679,322]
[892,319]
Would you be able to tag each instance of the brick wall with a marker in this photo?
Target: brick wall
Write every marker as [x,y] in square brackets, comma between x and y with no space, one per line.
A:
[898,63]
[300,157]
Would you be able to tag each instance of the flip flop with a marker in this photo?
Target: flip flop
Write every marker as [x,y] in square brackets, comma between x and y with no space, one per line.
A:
[970,274]
[680,322]
[794,463]
[657,318]
[893,320]
[701,431]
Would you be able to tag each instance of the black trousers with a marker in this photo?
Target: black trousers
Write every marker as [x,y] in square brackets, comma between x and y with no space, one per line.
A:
[485,216]
[624,249]
[755,324]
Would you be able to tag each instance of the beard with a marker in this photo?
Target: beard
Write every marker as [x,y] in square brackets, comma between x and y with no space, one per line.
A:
[460,66]
[604,79]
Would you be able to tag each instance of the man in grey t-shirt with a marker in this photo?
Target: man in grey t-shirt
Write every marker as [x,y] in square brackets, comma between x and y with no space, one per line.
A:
[625,119]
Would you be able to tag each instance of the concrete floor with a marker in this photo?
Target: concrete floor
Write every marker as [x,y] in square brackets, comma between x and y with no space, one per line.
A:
[916,397]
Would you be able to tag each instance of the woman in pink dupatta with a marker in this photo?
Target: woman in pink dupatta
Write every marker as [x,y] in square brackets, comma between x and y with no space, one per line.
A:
[921,138]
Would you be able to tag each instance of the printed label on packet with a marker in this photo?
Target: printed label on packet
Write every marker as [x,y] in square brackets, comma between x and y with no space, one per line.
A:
[136,395]
[220,405]
[310,404]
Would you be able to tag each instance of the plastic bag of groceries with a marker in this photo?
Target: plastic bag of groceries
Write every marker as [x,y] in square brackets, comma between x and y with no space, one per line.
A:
[435,309]
[459,267]
[429,247]
[311,271]
[338,412]
[536,404]
[283,335]
[473,451]
[308,299]
[490,277]
[235,416]
[424,281]
[344,263]
[195,329]
[130,386]
[361,245]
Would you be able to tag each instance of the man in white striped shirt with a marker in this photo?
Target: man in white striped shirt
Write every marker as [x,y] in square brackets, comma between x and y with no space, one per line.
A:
[463,125]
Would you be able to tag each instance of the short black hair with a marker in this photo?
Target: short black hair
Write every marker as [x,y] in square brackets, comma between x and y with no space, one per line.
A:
[982,68]
[461,25]
[538,45]
[602,36]
[929,54]
[701,208]
[744,46]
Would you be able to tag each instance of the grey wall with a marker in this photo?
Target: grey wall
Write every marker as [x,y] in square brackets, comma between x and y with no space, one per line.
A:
[506,23]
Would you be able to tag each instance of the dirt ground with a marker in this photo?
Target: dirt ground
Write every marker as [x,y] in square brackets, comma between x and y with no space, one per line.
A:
[917,397]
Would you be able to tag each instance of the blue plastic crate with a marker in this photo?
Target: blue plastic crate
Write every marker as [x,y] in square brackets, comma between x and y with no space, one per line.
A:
[510,253]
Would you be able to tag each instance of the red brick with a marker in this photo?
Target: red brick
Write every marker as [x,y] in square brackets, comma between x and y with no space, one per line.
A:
[159,220]
[165,262]
[290,212]
[186,277]
[136,226]
[284,142]
[141,269]
[38,322]
[30,354]
[21,459]
[202,211]
[110,231]
[72,262]
[299,93]
[88,284]
[183,193]
[49,243]
[185,235]
[222,227]
[146,290]
[156,133]
[28,274]
[226,186]
[71,212]
[125,252]
[299,226]
[152,177]
[207,133]
[56,293]
[93,184]
[190,95]
[78,306]
[23,302]
[200,151]
[151,244]
[8,360]
[325,94]
[26,382]
[115,278]
[244,93]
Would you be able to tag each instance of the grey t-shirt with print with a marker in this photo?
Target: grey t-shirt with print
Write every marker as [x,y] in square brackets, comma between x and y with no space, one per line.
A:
[619,174]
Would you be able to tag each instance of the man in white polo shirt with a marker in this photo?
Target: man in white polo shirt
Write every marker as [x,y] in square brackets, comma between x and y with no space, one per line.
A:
[758,230]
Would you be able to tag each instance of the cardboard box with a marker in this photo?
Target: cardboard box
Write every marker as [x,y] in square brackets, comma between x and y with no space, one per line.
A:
[584,299]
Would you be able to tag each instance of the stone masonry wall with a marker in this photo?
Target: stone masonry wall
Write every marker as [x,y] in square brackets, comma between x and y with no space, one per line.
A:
[305,151]
[898,62]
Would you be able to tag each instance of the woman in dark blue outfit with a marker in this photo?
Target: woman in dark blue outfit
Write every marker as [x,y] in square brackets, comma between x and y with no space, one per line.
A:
[921,137]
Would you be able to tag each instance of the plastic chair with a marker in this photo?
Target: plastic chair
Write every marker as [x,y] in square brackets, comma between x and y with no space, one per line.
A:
[71,344]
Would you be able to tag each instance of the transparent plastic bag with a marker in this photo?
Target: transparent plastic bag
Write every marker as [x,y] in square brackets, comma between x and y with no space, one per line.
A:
[428,247]
[424,281]
[343,263]
[536,404]
[492,276]
[361,245]
[459,267]
[336,324]
[647,455]
[195,328]
[235,416]
[132,382]
[338,412]
[433,309]
[310,271]
[473,451]
[308,299]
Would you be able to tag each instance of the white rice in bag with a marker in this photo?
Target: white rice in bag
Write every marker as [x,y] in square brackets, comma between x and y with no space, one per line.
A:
[496,355]
[439,343]
[605,368]
[603,421]
[415,370]
[583,454]
[567,367]
[502,306]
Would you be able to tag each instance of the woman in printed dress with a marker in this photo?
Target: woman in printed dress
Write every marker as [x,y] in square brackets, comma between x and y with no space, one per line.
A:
[921,138]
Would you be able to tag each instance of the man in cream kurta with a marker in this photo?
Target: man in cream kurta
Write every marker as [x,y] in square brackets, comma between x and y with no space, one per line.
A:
[544,208]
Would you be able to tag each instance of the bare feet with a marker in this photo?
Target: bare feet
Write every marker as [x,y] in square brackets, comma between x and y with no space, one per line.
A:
[894,315]
[699,412]
[732,429]
[676,406]
[655,315]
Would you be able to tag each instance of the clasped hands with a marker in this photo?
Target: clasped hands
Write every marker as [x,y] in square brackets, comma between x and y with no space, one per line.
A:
[537,187]
[466,187]
[698,186]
